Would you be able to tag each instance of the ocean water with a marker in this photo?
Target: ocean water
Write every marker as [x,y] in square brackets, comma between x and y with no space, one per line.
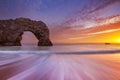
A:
[60,62]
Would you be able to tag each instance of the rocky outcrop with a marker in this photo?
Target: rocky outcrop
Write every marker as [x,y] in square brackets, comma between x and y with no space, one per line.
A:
[11,31]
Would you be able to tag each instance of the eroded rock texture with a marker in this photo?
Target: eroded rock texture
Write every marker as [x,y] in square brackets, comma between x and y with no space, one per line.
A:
[11,31]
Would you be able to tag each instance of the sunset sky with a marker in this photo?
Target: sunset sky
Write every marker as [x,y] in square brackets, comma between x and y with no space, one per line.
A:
[69,21]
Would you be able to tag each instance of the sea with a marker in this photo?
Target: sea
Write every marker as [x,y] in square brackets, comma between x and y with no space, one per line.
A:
[60,62]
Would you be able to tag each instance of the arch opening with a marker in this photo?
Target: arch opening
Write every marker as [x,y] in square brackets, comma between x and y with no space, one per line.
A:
[28,38]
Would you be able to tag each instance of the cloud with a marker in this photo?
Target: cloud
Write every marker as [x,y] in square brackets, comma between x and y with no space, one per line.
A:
[103,4]
[104,21]
[88,13]
[89,35]
[106,31]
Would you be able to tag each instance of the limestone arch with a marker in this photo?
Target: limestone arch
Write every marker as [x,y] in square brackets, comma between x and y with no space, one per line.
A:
[11,31]
[42,36]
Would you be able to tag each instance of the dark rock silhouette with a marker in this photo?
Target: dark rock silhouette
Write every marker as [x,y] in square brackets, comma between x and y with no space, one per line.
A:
[11,31]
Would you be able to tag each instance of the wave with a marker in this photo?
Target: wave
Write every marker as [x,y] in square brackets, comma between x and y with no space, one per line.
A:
[61,52]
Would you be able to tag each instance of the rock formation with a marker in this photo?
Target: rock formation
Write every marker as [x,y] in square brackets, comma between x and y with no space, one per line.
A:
[11,31]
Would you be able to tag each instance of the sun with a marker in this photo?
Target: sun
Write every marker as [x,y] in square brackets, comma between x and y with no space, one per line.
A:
[118,41]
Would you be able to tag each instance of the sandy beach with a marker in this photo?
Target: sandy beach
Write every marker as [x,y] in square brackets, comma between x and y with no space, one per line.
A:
[60,66]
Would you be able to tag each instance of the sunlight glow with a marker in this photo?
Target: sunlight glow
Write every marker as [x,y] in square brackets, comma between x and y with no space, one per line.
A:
[106,31]
[118,40]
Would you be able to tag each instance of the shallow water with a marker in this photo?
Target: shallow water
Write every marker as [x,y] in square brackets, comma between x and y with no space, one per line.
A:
[60,62]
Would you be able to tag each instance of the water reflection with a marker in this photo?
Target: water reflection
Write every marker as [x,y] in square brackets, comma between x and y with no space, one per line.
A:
[61,66]
[62,48]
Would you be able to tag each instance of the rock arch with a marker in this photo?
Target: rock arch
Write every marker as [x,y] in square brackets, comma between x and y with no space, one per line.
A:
[11,31]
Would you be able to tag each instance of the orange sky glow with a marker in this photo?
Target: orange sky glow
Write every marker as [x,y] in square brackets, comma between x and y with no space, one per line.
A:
[106,31]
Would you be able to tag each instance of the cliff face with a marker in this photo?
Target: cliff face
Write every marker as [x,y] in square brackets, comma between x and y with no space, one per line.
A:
[11,31]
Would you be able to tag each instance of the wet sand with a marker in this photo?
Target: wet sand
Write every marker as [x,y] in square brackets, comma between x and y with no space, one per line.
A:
[60,67]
